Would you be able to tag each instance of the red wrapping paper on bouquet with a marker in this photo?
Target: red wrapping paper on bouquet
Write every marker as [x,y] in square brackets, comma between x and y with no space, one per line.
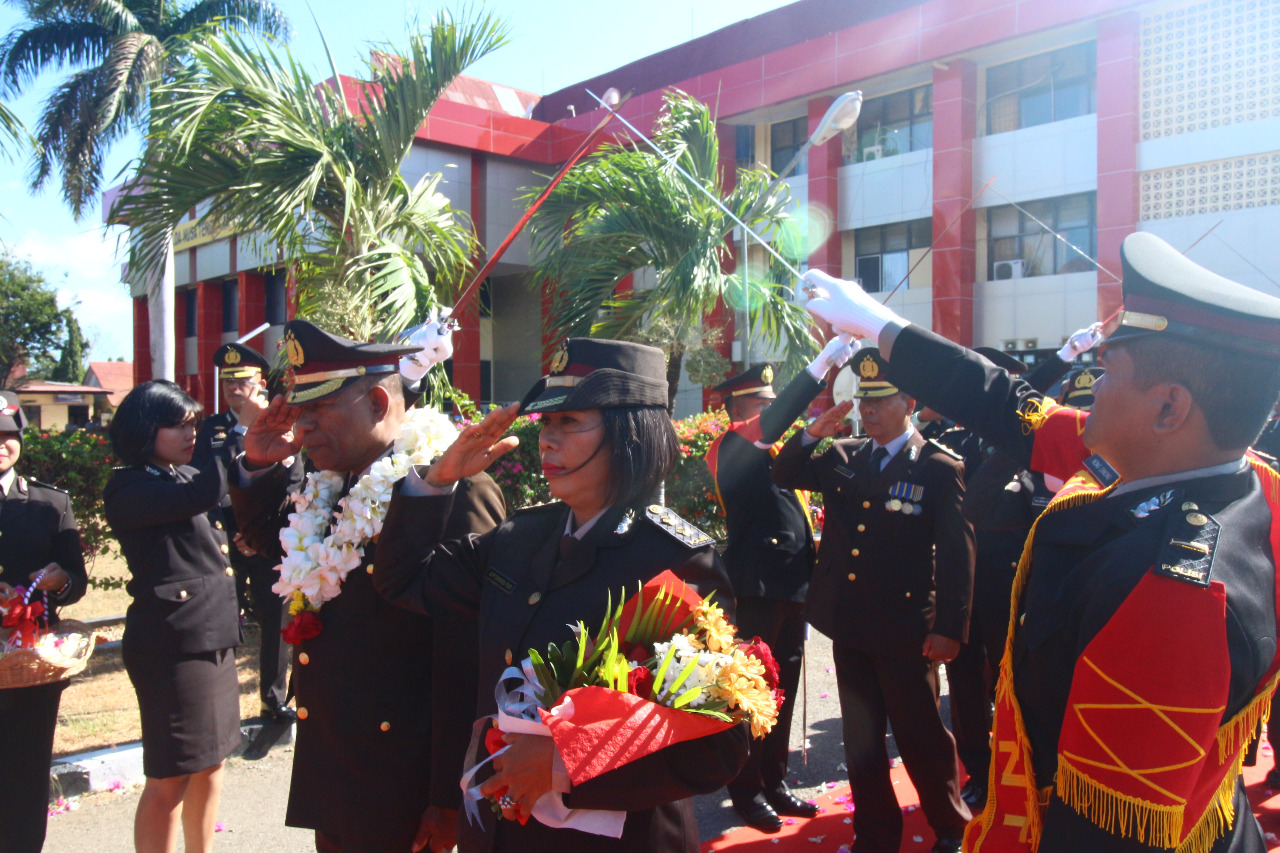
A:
[605,729]
[677,614]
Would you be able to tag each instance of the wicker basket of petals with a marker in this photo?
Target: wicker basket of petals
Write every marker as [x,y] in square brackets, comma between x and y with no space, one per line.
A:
[57,655]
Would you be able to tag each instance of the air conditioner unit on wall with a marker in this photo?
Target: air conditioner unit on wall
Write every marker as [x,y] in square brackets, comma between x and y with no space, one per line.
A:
[1006,270]
[872,152]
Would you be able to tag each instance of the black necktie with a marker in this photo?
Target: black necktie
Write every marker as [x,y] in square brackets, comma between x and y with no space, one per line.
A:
[567,544]
[877,460]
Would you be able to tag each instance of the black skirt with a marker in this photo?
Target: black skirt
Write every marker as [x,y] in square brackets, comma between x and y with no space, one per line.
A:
[190,707]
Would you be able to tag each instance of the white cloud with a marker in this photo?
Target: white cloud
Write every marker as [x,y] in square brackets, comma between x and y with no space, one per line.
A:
[83,267]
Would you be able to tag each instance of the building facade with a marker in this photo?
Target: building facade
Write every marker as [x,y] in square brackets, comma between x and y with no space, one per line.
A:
[1004,150]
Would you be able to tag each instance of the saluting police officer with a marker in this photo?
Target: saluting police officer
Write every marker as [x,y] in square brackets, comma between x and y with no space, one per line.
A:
[1143,653]
[769,557]
[241,374]
[891,589]
[361,770]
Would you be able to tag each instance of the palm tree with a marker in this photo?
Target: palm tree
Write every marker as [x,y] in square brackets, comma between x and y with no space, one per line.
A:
[624,209]
[264,148]
[122,50]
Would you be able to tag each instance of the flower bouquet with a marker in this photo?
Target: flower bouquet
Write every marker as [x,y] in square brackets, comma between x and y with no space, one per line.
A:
[31,652]
[665,667]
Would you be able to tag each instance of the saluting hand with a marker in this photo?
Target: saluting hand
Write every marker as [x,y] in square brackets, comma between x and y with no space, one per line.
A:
[270,437]
[475,448]
[831,421]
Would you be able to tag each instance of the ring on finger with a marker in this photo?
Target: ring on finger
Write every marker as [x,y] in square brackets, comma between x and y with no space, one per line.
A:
[506,802]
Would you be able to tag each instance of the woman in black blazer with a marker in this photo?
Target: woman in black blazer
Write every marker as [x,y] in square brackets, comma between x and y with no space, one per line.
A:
[40,547]
[183,625]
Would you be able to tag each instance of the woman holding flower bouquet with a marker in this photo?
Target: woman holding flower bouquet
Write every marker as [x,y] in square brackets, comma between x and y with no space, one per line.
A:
[606,444]
[183,625]
[39,552]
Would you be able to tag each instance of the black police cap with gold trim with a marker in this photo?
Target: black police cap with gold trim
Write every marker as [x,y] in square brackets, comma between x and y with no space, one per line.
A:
[753,382]
[1166,293]
[870,369]
[12,418]
[323,364]
[1078,387]
[599,374]
[237,361]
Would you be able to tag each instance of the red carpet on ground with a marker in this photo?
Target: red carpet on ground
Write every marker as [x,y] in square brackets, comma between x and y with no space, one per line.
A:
[832,830]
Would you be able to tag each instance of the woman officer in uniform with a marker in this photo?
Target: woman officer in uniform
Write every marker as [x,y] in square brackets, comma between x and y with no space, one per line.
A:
[606,444]
[183,625]
[40,547]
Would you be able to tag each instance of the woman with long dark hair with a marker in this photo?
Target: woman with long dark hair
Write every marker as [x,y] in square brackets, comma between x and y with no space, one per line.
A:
[606,445]
[40,551]
[183,625]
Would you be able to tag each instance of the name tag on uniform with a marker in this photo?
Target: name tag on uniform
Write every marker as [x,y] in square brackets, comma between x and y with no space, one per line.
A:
[500,580]
[1101,470]
[844,472]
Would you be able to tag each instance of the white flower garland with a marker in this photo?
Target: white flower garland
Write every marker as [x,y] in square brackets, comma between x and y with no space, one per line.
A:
[316,562]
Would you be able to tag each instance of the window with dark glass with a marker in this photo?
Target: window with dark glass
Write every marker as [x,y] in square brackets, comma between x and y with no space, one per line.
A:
[745,146]
[1020,247]
[895,124]
[276,296]
[882,254]
[1044,88]
[785,139]
[190,325]
[230,306]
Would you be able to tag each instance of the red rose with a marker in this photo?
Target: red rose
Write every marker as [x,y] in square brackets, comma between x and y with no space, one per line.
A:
[759,649]
[304,626]
[639,653]
[493,740]
[640,682]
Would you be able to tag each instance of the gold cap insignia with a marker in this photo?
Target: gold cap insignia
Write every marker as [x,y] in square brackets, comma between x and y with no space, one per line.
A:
[293,350]
[231,357]
[766,375]
[1084,380]
[868,368]
[560,360]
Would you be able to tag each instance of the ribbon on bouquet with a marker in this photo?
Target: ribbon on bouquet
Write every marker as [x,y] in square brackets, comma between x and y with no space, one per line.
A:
[518,713]
[22,617]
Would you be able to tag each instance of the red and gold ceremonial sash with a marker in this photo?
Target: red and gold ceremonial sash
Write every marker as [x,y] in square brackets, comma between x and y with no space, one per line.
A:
[1175,790]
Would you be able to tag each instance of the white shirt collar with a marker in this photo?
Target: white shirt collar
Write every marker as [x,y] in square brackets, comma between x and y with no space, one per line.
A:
[6,481]
[1235,466]
[896,445]
[586,525]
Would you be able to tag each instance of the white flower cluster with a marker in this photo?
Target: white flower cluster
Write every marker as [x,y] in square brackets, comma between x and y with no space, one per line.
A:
[703,675]
[317,561]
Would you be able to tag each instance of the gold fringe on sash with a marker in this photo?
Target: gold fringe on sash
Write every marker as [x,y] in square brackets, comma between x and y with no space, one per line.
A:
[1119,814]
[1035,412]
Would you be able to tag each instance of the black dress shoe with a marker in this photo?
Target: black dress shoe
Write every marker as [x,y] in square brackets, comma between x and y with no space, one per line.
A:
[275,723]
[946,845]
[786,803]
[759,815]
[974,796]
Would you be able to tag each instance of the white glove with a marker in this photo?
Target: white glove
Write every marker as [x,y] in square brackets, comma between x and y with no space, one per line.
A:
[846,306]
[1081,342]
[434,339]
[837,351]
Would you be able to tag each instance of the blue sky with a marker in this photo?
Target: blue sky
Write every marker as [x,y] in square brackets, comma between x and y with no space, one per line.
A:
[551,45]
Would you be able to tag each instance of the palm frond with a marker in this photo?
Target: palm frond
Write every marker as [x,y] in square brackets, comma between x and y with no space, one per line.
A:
[246,16]
[52,45]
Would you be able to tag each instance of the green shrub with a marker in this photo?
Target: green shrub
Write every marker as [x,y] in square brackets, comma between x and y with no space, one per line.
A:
[80,464]
[690,491]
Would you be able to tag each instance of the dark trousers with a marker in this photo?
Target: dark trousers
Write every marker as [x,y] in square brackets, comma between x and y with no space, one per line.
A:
[28,717]
[781,625]
[972,675]
[904,693]
[268,611]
